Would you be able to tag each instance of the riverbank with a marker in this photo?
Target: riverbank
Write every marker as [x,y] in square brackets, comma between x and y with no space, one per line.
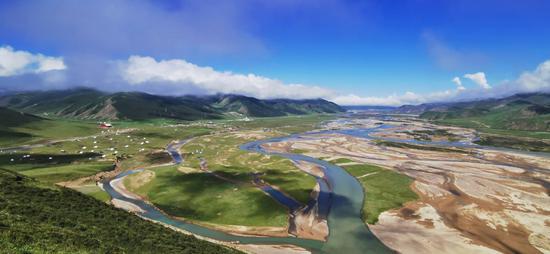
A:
[481,200]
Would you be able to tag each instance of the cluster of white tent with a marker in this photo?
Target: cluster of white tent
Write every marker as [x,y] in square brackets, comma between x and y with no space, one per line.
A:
[95,147]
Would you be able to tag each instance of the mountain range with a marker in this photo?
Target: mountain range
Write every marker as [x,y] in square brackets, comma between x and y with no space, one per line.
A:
[85,103]
[518,112]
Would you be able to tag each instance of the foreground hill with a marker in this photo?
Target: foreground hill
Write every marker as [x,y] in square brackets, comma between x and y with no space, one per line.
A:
[517,112]
[44,219]
[91,104]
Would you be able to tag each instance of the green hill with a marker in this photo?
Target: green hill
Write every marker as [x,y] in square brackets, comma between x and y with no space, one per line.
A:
[87,103]
[527,112]
[12,119]
[35,218]
[17,128]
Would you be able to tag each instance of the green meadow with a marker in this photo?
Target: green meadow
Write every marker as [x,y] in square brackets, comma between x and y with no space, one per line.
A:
[202,197]
[224,157]
[384,189]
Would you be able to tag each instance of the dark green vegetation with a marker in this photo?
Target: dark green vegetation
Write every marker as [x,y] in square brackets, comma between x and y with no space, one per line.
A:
[384,189]
[419,147]
[202,197]
[43,219]
[529,144]
[91,104]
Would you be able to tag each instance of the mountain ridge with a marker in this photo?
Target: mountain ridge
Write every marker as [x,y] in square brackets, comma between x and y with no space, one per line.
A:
[87,103]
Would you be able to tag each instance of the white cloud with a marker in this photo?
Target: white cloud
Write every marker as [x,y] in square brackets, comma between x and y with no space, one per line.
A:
[458,83]
[16,62]
[180,75]
[391,100]
[478,78]
[177,77]
[538,80]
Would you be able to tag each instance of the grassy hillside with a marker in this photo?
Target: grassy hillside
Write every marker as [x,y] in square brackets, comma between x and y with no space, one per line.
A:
[91,104]
[520,121]
[530,112]
[11,119]
[17,128]
[42,219]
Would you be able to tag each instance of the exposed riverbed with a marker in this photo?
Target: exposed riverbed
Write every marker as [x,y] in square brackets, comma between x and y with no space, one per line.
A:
[339,200]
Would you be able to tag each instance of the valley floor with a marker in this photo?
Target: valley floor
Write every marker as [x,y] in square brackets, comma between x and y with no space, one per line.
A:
[427,188]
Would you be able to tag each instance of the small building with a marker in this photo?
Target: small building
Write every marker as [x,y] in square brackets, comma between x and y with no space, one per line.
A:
[105,125]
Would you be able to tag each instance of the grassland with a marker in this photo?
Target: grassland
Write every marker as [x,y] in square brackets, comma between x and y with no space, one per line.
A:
[224,157]
[286,124]
[38,218]
[236,201]
[203,197]
[384,189]
[194,195]
[61,167]
[94,191]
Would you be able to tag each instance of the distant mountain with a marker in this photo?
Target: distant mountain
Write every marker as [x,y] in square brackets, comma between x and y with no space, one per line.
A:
[370,108]
[87,103]
[520,112]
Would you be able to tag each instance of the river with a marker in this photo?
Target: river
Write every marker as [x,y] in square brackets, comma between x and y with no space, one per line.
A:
[340,200]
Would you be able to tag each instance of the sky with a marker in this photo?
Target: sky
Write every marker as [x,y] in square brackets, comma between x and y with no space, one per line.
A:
[368,52]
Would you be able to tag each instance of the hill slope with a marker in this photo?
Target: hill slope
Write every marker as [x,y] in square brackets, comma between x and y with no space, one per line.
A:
[517,112]
[12,119]
[40,219]
[91,104]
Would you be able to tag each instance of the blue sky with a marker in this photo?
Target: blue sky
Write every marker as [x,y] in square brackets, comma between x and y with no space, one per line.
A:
[377,51]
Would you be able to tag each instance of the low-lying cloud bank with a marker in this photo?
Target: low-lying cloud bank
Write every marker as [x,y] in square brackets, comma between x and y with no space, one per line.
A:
[178,76]
[21,70]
